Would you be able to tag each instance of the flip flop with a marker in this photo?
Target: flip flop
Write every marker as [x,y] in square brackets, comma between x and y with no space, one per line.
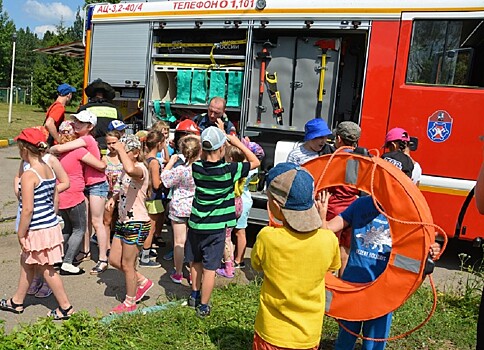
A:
[12,307]
[83,256]
[64,313]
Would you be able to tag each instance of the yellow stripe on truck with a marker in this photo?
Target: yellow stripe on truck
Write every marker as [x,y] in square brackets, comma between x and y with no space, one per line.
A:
[443,190]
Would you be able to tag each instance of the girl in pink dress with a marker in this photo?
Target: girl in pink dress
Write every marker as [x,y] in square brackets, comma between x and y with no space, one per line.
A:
[39,232]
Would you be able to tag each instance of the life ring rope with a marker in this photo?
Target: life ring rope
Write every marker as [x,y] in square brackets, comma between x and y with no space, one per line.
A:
[402,335]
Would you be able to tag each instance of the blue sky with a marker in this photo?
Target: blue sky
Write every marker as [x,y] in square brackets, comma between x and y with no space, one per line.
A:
[41,15]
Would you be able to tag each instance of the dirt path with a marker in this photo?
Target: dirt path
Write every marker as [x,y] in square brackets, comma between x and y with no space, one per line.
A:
[99,294]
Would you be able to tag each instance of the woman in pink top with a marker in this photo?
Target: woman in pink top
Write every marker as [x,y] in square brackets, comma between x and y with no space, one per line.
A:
[96,185]
[72,205]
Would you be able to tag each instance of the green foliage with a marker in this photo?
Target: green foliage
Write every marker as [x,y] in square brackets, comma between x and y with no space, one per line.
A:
[7,28]
[230,326]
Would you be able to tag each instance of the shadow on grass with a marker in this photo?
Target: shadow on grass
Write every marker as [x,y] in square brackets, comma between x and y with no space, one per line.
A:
[233,338]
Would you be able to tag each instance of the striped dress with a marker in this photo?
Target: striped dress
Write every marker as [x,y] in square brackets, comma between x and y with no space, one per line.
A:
[213,206]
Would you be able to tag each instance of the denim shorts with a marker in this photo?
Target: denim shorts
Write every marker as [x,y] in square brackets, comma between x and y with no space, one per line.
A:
[207,249]
[100,189]
[134,232]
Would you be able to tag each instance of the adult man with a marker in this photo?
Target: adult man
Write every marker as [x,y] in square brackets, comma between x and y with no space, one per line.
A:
[100,96]
[55,114]
[215,114]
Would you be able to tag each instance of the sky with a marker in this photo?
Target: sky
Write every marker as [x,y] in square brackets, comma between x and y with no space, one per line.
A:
[41,15]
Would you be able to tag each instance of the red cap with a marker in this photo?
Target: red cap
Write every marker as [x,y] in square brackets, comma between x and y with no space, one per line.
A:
[188,125]
[32,135]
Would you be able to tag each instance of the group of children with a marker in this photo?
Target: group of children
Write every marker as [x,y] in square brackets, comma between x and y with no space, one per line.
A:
[208,175]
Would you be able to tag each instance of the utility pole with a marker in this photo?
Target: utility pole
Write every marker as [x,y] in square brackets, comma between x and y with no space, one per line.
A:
[14,39]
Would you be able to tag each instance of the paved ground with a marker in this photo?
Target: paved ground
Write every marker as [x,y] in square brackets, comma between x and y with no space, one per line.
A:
[99,294]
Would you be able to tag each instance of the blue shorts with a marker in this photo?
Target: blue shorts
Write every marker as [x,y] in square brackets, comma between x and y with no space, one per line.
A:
[207,249]
[246,206]
[100,189]
[134,232]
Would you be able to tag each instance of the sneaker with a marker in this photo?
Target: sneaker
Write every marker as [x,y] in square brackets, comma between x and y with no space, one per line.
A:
[122,308]
[153,254]
[176,278]
[35,286]
[193,302]
[141,292]
[149,263]
[168,256]
[44,291]
[240,265]
[224,273]
[203,310]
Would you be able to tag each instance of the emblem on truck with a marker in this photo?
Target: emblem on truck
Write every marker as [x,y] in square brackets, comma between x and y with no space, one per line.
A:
[439,126]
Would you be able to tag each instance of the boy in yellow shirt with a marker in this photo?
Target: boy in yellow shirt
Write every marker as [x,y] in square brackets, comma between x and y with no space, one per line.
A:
[295,259]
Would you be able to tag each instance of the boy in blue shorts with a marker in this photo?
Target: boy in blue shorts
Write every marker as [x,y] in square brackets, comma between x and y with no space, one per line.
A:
[213,211]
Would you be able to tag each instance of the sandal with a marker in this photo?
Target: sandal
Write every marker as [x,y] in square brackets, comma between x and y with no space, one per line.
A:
[101,266]
[12,307]
[65,315]
[44,291]
[34,286]
[82,256]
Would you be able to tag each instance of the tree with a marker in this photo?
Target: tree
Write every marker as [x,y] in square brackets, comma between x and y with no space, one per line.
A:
[7,28]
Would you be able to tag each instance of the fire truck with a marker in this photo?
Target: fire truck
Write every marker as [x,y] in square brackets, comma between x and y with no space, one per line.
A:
[279,63]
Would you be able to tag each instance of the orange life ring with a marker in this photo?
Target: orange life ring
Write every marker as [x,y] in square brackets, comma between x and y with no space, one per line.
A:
[411,227]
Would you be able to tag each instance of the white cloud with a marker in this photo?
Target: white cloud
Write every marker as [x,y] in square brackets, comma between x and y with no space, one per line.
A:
[54,12]
[40,30]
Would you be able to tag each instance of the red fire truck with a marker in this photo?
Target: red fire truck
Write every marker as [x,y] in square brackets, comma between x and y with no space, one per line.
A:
[279,63]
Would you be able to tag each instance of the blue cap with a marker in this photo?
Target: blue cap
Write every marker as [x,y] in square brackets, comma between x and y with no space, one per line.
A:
[316,128]
[117,125]
[292,187]
[65,89]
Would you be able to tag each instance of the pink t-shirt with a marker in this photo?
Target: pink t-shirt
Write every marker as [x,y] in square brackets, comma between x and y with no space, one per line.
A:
[132,197]
[93,176]
[71,162]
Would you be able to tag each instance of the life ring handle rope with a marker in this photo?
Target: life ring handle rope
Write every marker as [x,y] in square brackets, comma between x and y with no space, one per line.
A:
[439,230]
[402,335]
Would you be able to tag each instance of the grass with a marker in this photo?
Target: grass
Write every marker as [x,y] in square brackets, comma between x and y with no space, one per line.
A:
[231,326]
[23,116]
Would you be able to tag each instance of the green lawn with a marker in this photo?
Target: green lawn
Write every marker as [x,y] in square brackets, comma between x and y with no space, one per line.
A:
[231,326]
[23,116]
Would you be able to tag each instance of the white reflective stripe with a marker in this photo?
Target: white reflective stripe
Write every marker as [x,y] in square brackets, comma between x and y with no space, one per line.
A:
[329,299]
[446,15]
[406,263]
[447,182]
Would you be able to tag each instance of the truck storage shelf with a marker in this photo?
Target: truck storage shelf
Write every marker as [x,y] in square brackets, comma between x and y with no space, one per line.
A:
[198,56]
[274,127]
[204,107]
[172,68]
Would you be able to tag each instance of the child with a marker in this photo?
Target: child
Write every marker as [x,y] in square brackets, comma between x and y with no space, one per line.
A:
[133,223]
[246,202]
[38,287]
[181,180]
[316,134]
[39,232]
[155,142]
[117,125]
[233,154]
[295,259]
[96,185]
[164,128]
[396,141]
[72,205]
[213,211]
[114,169]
